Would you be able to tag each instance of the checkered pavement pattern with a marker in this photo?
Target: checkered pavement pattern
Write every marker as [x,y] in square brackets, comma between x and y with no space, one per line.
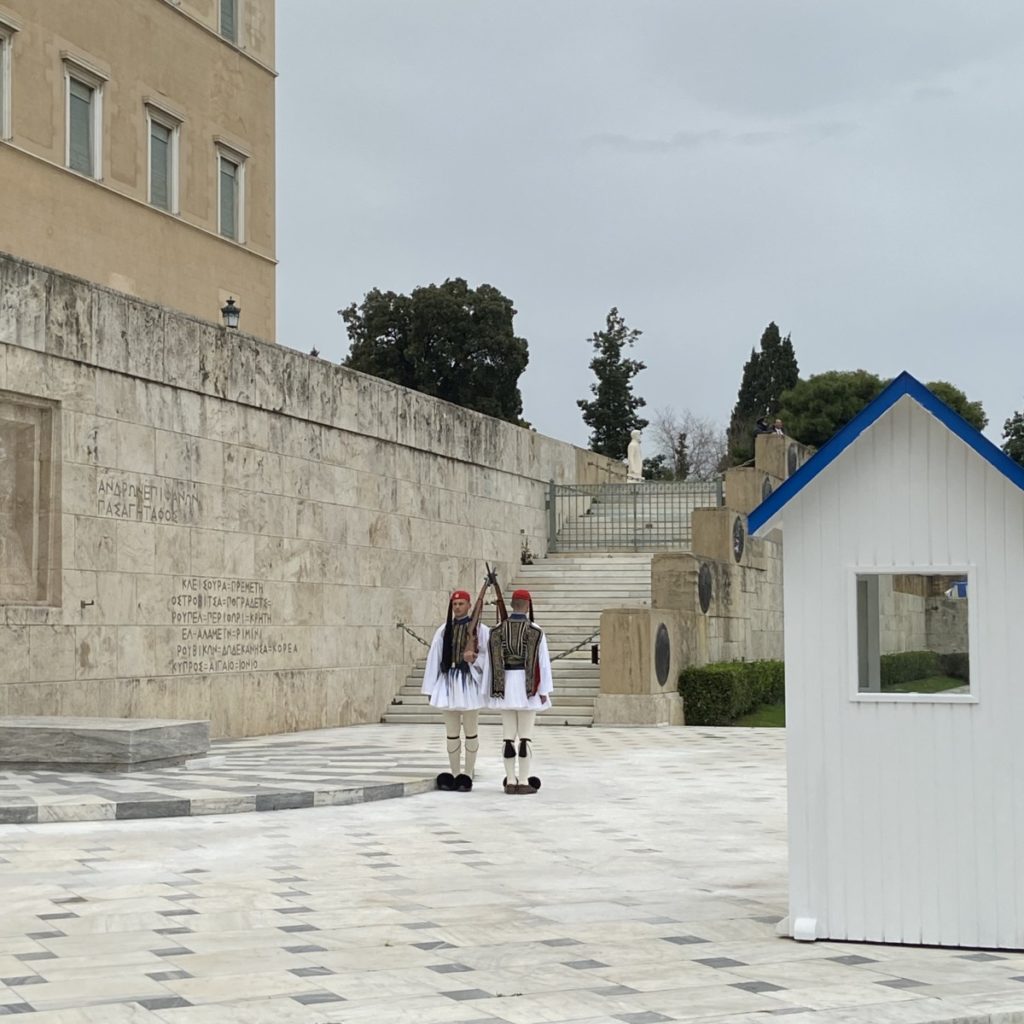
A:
[641,885]
[263,773]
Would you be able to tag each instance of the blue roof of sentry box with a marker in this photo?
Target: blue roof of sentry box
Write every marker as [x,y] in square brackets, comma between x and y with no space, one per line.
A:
[904,384]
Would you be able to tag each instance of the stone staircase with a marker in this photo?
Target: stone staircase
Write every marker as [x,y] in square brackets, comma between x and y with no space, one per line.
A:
[569,594]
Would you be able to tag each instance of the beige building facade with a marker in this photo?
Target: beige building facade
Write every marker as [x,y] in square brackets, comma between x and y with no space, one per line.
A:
[137,148]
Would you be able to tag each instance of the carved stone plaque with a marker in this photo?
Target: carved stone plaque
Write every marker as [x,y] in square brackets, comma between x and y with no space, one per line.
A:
[704,587]
[738,538]
[29,539]
[662,654]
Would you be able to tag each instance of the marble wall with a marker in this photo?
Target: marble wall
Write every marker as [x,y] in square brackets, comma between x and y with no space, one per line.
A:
[237,527]
[912,619]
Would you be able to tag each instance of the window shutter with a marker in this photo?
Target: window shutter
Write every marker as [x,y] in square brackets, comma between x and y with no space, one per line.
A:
[160,162]
[5,52]
[228,28]
[80,128]
[228,198]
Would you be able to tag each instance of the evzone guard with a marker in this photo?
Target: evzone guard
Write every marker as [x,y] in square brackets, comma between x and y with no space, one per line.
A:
[457,681]
[520,686]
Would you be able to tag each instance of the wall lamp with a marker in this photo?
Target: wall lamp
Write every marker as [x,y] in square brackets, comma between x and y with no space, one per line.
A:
[230,314]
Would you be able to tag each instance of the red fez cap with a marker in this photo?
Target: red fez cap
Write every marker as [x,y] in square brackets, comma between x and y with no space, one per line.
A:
[461,595]
[521,595]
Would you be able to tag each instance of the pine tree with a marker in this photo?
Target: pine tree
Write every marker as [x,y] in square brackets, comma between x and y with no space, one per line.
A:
[766,375]
[612,413]
[1013,438]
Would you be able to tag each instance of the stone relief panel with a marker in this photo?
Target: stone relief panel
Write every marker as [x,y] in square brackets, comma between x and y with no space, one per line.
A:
[29,501]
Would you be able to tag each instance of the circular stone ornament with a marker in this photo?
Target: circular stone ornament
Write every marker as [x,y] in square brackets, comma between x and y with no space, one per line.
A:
[704,587]
[662,654]
[792,457]
[738,537]
[766,488]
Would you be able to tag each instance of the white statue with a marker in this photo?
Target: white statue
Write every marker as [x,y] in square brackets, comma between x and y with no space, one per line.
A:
[634,459]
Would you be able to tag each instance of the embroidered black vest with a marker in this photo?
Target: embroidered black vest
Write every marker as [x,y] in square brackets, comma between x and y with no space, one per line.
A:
[459,640]
[514,644]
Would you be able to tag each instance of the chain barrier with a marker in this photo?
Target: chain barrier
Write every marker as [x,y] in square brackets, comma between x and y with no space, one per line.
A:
[572,650]
[583,643]
[402,625]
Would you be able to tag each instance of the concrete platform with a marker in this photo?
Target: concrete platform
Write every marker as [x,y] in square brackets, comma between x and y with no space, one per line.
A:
[99,744]
[263,773]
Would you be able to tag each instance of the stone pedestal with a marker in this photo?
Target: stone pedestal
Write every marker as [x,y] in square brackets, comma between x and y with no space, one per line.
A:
[638,709]
[99,744]
[746,487]
[642,652]
[720,534]
[779,456]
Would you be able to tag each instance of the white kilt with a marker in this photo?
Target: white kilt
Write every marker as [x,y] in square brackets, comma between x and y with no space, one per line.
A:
[515,698]
[455,691]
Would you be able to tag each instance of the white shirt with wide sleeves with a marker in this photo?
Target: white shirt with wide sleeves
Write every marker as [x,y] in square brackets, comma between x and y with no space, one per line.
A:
[454,690]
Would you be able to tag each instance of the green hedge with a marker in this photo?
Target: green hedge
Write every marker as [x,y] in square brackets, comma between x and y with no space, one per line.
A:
[956,665]
[718,694]
[907,666]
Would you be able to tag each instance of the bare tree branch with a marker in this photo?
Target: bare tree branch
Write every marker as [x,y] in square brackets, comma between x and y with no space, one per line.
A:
[706,442]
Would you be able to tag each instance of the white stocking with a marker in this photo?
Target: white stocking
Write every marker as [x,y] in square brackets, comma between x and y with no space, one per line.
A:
[469,723]
[508,732]
[452,730]
[524,729]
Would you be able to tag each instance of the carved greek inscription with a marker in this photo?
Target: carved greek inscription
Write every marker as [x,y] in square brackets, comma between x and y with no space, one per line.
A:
[147,499]
[223,626]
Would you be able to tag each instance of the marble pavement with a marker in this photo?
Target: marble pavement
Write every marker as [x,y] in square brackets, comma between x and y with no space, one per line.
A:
[641,885]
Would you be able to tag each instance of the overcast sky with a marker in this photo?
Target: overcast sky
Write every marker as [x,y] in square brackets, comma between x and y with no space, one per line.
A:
[853,171]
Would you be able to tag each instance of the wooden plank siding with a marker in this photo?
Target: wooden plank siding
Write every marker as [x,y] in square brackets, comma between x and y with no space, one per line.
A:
[906,815]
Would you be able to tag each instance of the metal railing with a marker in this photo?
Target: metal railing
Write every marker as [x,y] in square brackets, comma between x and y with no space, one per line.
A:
[645,516]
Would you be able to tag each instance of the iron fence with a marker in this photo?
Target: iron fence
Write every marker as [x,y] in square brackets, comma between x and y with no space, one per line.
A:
[644,516]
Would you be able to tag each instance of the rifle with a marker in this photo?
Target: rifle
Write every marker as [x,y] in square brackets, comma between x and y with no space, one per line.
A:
[492,576]
[473,641]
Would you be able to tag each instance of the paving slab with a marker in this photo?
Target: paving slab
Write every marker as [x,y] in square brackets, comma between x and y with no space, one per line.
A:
[642,884]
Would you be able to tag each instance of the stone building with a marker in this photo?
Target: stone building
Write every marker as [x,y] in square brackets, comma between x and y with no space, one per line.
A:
[137,147]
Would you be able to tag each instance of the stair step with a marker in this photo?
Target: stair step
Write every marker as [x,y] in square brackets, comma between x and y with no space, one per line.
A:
[413,705]
[548,719]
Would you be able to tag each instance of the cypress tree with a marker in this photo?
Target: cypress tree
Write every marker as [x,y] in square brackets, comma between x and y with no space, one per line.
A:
[612,413]
[766,375]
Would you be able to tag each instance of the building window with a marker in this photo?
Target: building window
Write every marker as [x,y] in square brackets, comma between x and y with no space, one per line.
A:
[913,633]
[84,120]
[229,20]
[230,193]
[6,48]
[163,159]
